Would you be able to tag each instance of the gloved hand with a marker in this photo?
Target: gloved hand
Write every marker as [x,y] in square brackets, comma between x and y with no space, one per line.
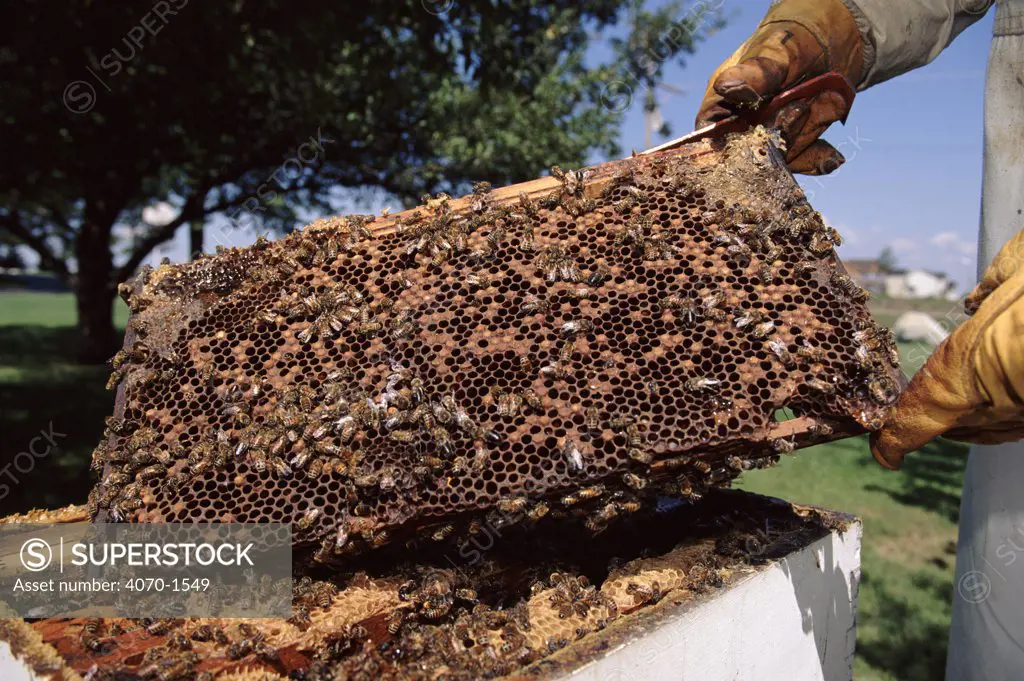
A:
[972,387]
[796,40]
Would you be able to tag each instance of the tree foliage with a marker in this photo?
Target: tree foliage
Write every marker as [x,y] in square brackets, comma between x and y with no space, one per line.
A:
[107,107]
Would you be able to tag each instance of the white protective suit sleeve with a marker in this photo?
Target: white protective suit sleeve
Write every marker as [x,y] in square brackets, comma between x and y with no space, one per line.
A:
[900,35]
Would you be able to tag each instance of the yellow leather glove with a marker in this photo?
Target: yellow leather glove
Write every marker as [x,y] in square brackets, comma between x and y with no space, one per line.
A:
[796,40]
[972,387]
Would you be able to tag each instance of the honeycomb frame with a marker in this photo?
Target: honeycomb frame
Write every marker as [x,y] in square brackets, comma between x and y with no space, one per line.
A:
[574,347]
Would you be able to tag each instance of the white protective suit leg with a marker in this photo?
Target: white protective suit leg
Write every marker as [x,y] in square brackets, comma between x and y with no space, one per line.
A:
[986,640]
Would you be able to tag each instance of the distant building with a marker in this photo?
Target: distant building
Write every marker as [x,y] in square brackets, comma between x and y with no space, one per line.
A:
[919,284]
[867,273]
[900,283]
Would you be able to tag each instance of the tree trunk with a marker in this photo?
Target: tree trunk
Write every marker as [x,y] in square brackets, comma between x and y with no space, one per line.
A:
[95,288]
[97,340]
[195,239]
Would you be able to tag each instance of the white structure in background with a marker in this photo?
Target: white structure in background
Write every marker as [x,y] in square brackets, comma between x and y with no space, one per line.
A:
[914,327]
[920,284]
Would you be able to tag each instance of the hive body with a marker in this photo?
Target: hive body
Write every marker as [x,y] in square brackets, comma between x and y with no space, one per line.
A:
[574,347]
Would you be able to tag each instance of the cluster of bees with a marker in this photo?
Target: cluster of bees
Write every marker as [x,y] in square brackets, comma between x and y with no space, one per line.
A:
[181,652]
[430,597]
[575,596]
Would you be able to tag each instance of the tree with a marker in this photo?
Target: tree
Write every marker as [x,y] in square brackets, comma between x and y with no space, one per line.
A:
[887,260]
[254,110]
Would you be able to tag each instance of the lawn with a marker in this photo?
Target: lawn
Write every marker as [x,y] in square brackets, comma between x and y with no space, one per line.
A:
[41,387]
[909,517]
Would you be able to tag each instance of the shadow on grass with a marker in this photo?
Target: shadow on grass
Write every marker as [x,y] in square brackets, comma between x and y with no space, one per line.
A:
[905,644]
[42,390]
[931,478]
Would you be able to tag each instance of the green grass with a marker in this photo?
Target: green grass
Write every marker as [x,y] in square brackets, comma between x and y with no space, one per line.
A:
[887,310]
[40,384]
[910,517]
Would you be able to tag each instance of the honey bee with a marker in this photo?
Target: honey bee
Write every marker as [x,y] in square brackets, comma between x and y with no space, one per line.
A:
[578,294]
[849,287]
[739,252]
[573,455]
[629,505]
[403,436]
[818,385]
[537,512]
[638,454]
[533,305]
[377,539]
[809,352]
[240,649]
[862,355]
[512,504]
[736,463]
[532,400]
[591,419]
[713,299]
[591,492]
[573,181]
[308,519]
[634,481]
[156,627]
[763,330]
[396,619]
[782,445]
[476,282]
[645,594]
[820,429]
[803,269]
[699,384]
[151,473]
[883,390]
[577,327]
[633,436]
[767,274]
[822,243]
[566,351]
[689,315]
[657,247]
[715,314]
[442,532]
[780,351]
[557,264]
[748,317]
[179,641]
[90,637]
[203,633]
[346,428]
[368,328]
[598,521]
[620,423]
[509,403]
[120,426]
[175,668]
[301,396]
[600,275]
[557,370]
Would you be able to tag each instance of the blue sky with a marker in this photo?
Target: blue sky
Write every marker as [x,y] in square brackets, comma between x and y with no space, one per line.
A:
[913,146]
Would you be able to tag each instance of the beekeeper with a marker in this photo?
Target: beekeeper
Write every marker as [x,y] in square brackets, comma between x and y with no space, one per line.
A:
[972,388]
